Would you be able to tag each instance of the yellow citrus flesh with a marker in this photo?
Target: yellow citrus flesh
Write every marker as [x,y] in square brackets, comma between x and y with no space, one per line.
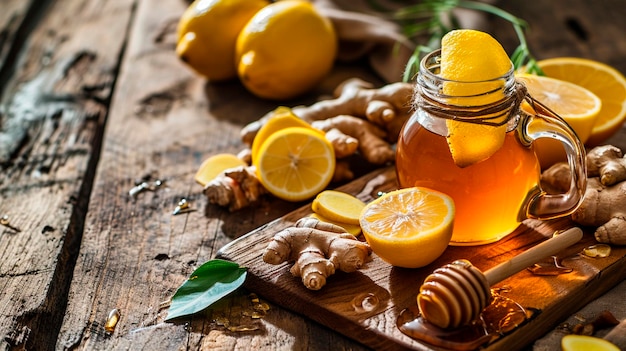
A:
[214,165]
[349,228]
[285,50]
[604,81]
[578,106]
[574,342]
[410,227]
[281,118]
[338,206]
[295,163]
[207,35]
[473,56]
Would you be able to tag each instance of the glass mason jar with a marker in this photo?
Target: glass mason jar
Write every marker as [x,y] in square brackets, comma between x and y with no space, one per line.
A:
[493,196]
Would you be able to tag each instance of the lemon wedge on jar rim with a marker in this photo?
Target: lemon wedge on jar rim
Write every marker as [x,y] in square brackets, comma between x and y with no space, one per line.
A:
[473,56]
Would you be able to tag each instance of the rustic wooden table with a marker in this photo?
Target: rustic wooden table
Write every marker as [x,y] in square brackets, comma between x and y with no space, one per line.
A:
[93,100]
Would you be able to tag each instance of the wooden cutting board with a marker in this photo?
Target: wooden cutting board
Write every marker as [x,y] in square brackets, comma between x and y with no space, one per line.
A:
[365,305]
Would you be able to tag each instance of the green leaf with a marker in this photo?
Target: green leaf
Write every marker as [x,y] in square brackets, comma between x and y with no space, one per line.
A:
[208,284]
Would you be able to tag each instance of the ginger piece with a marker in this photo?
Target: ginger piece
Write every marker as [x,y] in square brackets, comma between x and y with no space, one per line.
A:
[235,188]
[342,172]
[366,114]
[604,204]
[343,144]
[608,163]
[371,143]
[317,249]
[388,107]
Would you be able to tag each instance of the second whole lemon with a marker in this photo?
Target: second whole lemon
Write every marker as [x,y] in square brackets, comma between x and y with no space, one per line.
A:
[207,35]
[285,50]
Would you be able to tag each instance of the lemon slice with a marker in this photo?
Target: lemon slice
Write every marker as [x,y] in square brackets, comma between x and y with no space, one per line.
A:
[295,163]
[574,342]
[214,165]
[338,206]
[410,227]
[473,56]
[578,106]
[604,81]
[349,228]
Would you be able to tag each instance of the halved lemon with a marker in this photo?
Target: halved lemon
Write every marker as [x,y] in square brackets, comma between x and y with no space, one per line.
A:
[578,106]
[574,342]
[601,79]
[409,227]
[295,163]
[282,117]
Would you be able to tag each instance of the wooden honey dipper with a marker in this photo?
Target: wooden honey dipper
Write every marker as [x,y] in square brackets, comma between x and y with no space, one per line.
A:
[455,294]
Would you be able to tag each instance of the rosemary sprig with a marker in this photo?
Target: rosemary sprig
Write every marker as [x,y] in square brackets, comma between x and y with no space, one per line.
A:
[434,18]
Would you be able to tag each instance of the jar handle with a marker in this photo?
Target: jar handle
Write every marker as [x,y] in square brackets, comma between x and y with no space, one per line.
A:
[547,124]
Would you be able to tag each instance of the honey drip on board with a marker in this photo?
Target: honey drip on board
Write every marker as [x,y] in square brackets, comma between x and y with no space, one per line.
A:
[502,316]
[551,267]
[365,302]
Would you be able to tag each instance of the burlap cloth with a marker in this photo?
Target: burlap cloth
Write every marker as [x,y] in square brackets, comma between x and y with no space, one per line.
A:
[370,33]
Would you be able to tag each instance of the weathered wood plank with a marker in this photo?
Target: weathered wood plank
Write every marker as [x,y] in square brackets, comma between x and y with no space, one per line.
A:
[51,121]
[164,121]
[11,19]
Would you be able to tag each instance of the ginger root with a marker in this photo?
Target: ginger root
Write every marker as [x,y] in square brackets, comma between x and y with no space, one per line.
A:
[608,163]
[317,249]
[359,120]
[366,136]
[235,188]
[604,204]
[362,113]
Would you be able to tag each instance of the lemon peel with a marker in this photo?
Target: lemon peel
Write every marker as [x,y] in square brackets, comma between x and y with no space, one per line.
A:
[473,56]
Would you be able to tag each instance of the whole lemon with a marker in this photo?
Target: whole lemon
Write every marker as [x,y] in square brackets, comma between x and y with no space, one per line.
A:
[207,35]
[285,50]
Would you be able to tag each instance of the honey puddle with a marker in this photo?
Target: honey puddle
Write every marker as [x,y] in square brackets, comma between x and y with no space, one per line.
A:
[502,316]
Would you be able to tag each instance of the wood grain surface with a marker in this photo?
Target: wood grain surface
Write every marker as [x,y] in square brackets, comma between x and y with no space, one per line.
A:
[92,101]
[339,304]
